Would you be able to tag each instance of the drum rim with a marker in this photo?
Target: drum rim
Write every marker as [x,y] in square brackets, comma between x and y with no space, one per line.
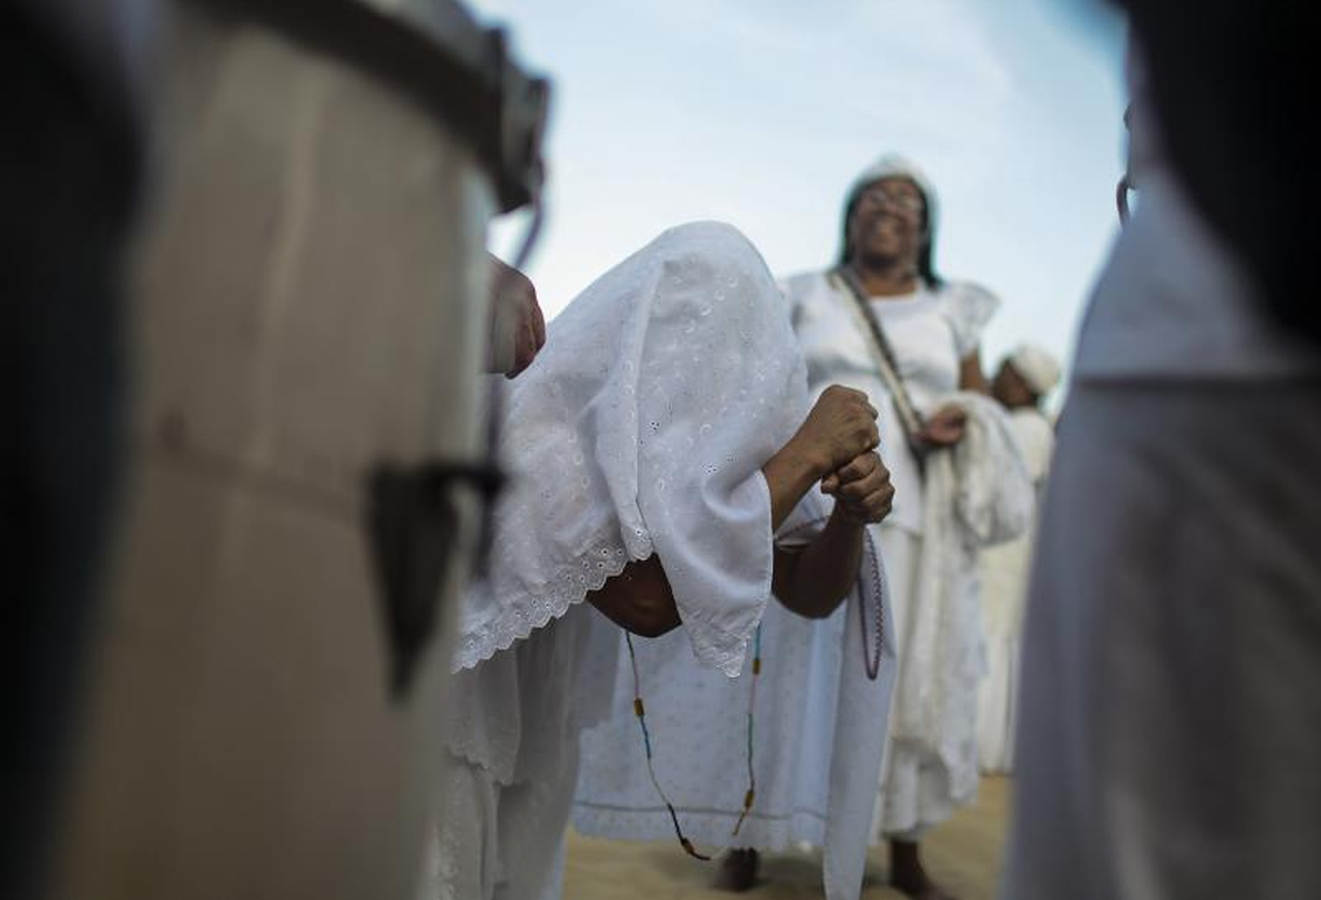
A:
[458,71]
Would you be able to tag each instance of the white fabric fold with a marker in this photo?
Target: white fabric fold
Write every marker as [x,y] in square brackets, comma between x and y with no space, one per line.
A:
[642,428]
[977,494]
[1004,573]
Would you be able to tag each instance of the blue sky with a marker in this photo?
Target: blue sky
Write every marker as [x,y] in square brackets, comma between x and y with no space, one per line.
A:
[760,112]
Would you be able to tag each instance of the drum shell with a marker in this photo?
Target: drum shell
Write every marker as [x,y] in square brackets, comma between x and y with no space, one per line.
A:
[310,304]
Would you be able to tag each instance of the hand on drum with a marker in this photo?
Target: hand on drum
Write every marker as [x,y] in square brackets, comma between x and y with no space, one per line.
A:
[518,330]
[862,490]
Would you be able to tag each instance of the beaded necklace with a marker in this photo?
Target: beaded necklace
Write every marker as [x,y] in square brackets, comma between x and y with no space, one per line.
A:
[871,661]
[751,794]
[640,711]
[871,651]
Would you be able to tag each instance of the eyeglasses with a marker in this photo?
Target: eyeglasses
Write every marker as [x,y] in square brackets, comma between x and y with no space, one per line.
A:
[910,204]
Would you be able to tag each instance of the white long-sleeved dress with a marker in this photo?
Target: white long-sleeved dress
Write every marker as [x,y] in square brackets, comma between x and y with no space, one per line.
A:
[925,776]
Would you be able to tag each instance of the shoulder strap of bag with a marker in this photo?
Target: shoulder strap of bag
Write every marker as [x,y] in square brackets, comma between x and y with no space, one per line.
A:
[909,417]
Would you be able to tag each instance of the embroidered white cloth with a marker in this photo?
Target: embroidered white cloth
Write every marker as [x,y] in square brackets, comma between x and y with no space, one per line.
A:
[642,428]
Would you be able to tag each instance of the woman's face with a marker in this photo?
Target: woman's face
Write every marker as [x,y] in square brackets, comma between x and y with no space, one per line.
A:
[888,223]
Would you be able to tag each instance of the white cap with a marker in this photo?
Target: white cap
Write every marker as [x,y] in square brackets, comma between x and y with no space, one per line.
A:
[1038,367]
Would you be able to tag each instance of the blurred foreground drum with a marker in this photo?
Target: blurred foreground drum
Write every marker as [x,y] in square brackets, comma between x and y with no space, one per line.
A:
[310,320]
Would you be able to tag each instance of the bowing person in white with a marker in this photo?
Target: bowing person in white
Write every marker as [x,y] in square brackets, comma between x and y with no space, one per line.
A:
[959,481]
[657,441]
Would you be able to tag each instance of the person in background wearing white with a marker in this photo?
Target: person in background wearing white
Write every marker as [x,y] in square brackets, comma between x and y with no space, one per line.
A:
[886,281]
[1024,379]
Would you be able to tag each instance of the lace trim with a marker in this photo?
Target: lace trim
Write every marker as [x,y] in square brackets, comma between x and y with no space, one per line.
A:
[720,648]
[570,584]
[725,648]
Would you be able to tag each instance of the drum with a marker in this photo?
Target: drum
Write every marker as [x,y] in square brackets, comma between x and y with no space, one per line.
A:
[303,493]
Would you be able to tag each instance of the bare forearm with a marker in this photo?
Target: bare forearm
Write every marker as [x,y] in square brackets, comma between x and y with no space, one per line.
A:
[815,581]
[789,475]
[640,599]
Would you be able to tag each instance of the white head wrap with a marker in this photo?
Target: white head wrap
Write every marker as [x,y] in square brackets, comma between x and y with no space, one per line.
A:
[1038,367]
[892,165]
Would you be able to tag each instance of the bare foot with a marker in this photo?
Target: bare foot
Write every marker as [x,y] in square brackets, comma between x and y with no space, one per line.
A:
[738,871]
[908,876]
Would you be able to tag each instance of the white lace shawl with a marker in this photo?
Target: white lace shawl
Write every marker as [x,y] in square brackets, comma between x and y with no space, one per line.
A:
[642,428]
[977,494]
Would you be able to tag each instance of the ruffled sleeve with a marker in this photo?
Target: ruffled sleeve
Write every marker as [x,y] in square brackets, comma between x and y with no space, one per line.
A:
[969,307]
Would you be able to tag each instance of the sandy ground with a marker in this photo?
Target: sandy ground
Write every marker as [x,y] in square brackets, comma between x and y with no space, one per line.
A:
[963,854]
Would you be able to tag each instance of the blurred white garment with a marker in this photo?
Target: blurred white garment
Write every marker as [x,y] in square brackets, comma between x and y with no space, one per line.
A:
[507,777]
[641,428]
[1004,571]
[977,495]
[1172,303]
[1170,724]
[931,331]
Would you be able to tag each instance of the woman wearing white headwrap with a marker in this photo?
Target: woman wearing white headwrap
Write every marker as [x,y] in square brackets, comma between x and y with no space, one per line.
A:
[657,441]
[959,481]
[1024,378]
